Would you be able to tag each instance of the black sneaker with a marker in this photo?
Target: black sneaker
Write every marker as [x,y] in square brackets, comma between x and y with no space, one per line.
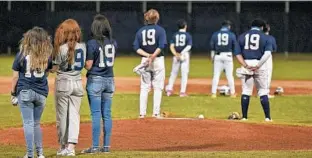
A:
[91,150]
[105,150]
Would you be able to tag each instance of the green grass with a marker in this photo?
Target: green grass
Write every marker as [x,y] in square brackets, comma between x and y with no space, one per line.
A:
[293,110]
[295,67]
[18,151]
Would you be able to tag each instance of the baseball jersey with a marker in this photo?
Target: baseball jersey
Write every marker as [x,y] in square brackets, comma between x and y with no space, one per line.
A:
[253,44]
[224,41]
[273,41]
[28,79]
[180,40]
[103,55]
[79,60]
[149,38]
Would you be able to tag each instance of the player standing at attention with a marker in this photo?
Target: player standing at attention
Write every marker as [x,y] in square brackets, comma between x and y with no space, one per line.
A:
[30,85]
[269,62]
[180,46]
[256,49]
[68,60]
[223,43]
[149,43]
[101,52]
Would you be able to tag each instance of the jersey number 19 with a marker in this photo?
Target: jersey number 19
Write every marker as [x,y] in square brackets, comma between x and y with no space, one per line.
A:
[148,37]
[107,56]
[252,41]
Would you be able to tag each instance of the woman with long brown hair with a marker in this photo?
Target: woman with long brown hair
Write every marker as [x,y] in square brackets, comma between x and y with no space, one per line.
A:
[30,85]
[68,60]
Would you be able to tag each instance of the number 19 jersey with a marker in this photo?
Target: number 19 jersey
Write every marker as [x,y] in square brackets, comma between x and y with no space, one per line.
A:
[180,40]
[224,41]
[253,44]
[103,55]
[149,38]
[29,79]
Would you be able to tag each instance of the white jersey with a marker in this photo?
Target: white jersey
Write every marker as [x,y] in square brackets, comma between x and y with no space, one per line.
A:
[79,60]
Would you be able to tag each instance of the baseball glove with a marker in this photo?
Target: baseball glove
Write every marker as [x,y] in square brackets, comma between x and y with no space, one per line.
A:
[279,91]
[139,69]
[14,99]
[242,72]
[234,116]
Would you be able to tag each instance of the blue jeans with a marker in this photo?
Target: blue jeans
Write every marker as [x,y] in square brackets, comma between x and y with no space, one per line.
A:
[100,92]
[31,106]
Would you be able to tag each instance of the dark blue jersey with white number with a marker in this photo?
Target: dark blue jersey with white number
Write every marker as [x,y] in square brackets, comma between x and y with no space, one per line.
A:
[180,40]
[149,38]
[224,41]
[253,44]
[28,79]
[103,56]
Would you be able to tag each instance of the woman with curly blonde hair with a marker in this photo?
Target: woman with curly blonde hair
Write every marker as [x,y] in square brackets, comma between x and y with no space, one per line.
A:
[30,85]
[68,60]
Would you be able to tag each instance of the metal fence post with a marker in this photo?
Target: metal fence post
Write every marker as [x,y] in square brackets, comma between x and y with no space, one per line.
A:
[286,25]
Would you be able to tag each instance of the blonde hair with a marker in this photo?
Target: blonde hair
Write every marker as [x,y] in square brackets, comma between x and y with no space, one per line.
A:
[36,43]
[67,32]
[151,16]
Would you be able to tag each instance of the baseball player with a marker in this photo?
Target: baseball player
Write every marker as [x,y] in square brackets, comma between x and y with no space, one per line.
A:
[223,43]
[149,43]
[180,46]
[256,49]
[69,59]
[269,62]
[101,51]
[30,85]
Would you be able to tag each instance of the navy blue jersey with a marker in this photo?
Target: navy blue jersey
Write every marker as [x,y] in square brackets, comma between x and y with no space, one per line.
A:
[273,41]
[180,40]
[103,56]
[28,79]
[254,43]
[149,38]
[224,41]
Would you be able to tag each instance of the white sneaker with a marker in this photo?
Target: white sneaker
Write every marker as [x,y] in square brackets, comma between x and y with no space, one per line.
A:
[41,156]
[59,151]
[244,119]
[67,152]
[157,116]
[268,120]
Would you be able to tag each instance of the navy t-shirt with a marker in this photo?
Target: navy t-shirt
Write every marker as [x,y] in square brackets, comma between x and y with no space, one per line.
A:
[181,40]
[103,54]
[224,41]
[28,79]
[253,44]
[149,38]
[273,41]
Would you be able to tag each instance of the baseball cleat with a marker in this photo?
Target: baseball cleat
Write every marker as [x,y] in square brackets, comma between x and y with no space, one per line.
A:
[213,96]
[183,95]
[157,116]
[244,119]
[91,150]
[268,120]
[169,93]
[141,116]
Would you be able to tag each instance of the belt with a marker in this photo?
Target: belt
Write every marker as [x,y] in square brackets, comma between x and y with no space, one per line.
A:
[218,53]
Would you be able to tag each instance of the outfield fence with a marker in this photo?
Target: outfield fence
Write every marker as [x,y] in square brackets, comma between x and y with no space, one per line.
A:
[291,22]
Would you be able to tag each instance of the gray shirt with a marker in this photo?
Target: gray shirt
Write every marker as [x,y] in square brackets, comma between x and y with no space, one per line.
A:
[79,60]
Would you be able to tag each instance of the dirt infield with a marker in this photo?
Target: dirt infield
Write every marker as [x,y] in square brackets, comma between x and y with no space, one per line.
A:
[195,86]
[184,135]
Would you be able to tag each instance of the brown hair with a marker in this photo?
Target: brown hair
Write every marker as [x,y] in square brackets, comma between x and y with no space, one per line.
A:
[36,43]
[67,32]
[151,16]
[101,28]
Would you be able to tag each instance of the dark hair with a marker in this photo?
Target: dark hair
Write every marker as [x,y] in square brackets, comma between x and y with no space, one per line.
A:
[101,28]
[266,28]
[226,23]
[258,23]
[181,23]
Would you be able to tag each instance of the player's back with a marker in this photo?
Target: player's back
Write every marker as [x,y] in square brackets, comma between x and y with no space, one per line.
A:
[65,68]
[149,38]
[253,43]
[180,40]
[223,41]
[29,79]
[103,54]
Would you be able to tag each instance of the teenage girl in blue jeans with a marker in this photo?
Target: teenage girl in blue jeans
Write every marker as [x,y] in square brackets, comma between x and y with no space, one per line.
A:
[30,85]
[101,51]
